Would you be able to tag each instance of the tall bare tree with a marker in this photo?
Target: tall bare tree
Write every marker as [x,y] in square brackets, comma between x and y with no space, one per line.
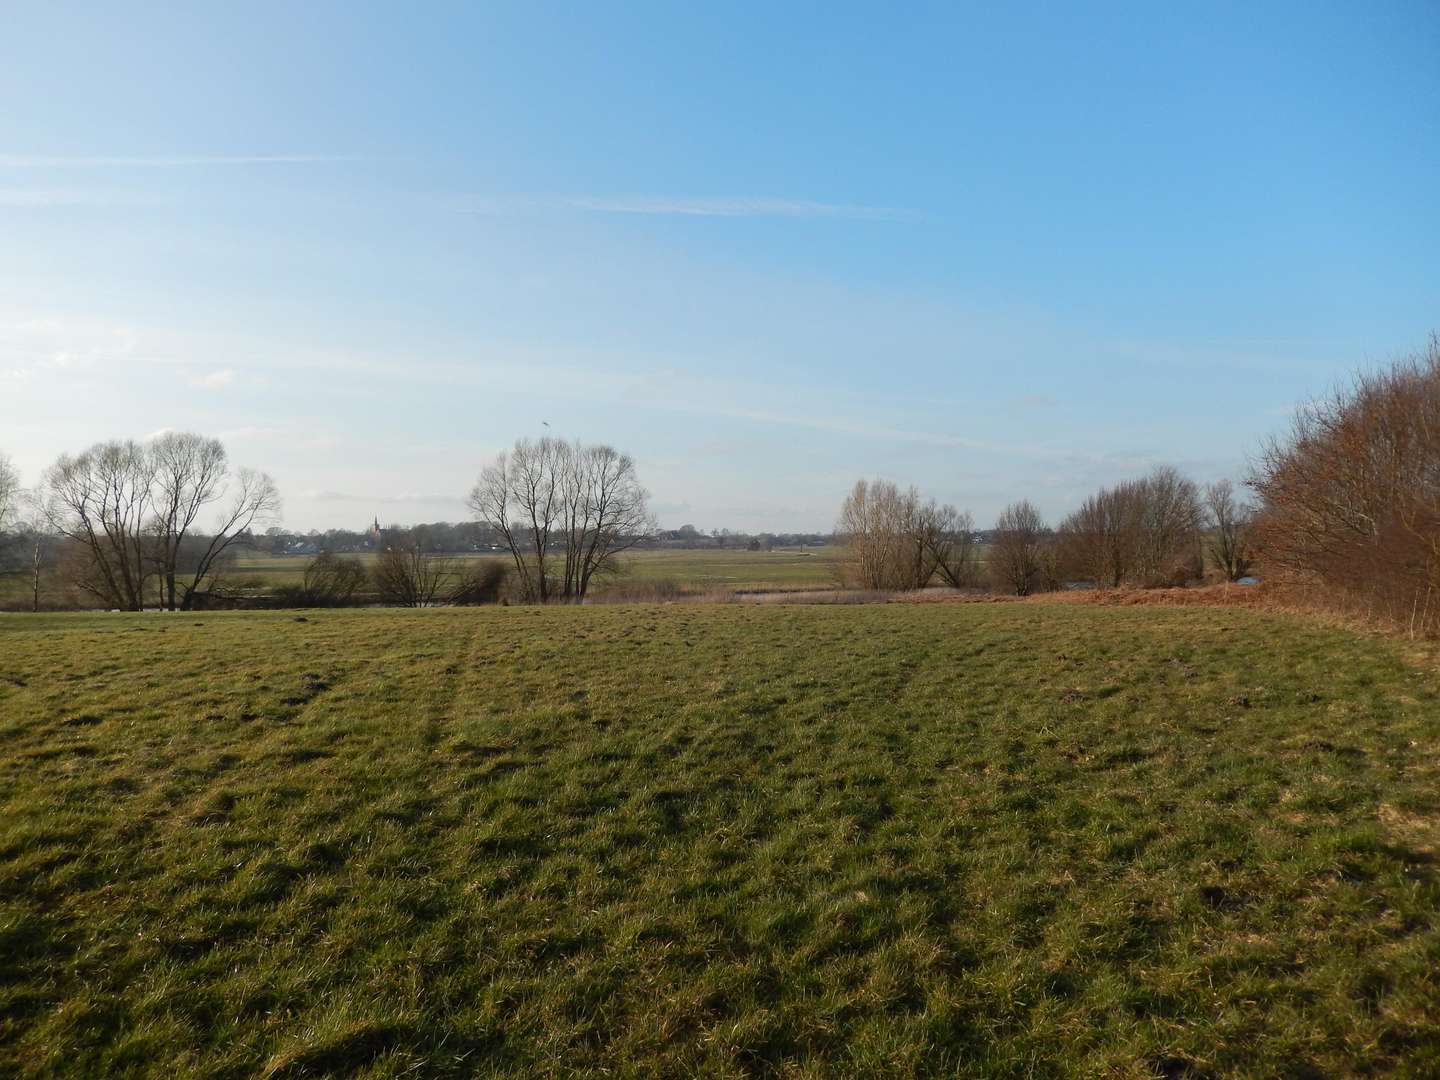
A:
[1169,517]
[191,473]
[1228,524]
[9,491]
[879,525]
[133,509]
[895,540]
[1019,557]
[548,494]
[101,500]
[606,512]
[1098,541]
[949,538]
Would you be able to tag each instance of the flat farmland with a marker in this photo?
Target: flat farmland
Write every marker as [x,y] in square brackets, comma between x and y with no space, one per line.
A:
[696,571]
[718,840]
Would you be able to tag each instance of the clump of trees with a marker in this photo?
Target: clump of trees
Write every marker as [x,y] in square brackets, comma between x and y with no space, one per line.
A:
[897,541]
[131,513]
[1142,532]
[565,511]
[1351,495]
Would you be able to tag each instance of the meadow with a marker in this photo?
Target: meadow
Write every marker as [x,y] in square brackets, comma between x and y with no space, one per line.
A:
[690,571]
[717,840]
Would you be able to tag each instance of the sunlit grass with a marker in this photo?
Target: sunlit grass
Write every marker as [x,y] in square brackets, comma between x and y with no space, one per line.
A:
[988,840]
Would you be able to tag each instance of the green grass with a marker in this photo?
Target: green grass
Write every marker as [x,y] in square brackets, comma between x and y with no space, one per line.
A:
[695,571]
[973,840]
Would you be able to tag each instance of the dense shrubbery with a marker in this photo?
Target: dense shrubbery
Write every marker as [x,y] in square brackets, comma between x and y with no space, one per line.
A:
[1351,497]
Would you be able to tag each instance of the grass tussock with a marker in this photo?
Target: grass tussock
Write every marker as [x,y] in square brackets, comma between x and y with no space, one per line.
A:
[887,839]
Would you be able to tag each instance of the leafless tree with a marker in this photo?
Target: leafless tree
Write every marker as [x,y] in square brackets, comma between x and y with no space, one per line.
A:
[879,525]
[1351,498]
[1169,516]
[1142,532]
[1019,552]
[1228,525]
[948,539]
[545,494]
[252,499]
[133,508]
[518,495]
[191,473]
[897,541]
[1098,541]
[332,580]
[405,575]
[605,511]
[101,500]
[9,491]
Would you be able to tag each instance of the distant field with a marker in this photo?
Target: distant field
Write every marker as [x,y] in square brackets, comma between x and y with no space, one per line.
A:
[692,571]
[716,840]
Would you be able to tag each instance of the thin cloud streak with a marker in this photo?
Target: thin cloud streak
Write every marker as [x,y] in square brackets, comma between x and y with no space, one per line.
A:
[665,206]
[40,161]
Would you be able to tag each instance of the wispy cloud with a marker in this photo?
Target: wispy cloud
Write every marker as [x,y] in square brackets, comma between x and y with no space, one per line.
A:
[43,198]
[163,161]
[674,206]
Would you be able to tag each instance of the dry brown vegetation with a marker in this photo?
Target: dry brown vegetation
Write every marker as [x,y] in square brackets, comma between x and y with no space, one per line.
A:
[1352,497]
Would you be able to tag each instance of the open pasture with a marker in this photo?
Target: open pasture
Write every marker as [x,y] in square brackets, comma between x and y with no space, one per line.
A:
[890,840]
[691,571]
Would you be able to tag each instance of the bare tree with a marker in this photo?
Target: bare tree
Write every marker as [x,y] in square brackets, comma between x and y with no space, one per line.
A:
[101,500]
[879,524]
[1168,517]
[1098,541]
[1351,498]
[253,500]
[191,473]
[1143,532]
[896,541]
[605,512]
[405,575]
[519,496]
[1228,522]
[948,538]
[332,580]
[1018,555]
[545,494]
[9,491]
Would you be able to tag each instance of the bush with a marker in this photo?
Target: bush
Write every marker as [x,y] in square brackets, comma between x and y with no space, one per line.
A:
[484,583]
[1351,498]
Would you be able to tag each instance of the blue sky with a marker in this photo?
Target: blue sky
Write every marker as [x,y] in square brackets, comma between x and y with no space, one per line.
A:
[995,251]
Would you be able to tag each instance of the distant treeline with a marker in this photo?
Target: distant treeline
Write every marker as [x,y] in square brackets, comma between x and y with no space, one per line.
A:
[1346,506]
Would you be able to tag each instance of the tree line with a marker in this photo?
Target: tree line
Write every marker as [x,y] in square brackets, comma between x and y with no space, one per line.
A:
[1161,529]
[1346,503]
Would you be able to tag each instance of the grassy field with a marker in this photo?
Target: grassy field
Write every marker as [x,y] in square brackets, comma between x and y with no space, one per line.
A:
[693,571]
[889,840]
